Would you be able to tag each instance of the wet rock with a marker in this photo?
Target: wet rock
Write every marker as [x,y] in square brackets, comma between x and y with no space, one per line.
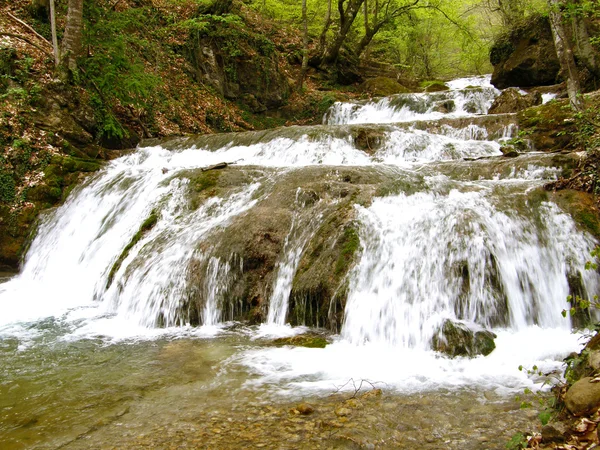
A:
[583,397]
[526,56]
[368,140]
[382,87]
[445,107]
[455,339]
[343,411]
[512,101]
[509,151]
[305,409]
[309,340]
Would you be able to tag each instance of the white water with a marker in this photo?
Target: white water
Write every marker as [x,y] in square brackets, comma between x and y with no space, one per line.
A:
[418,250]
[468,97]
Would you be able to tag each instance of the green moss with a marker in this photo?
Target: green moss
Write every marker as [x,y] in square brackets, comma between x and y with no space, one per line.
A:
[74,164]
[146,226]
[588,220]
[350,243]
[303,340]
[7,187]
[433,86]
[206,180]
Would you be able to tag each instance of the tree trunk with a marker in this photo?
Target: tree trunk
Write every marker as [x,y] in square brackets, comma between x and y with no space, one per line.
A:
[71,45]
[326,25]
[304,46]
[367,38]
[347,17]
[54,38]
[585,51]
[564,52]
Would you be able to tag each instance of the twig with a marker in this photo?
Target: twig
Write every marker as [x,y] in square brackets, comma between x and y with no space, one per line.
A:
[26,39]
[29,28]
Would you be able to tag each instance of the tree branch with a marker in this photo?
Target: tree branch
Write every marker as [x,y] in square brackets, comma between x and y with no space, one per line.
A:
[26,39]
[29,28]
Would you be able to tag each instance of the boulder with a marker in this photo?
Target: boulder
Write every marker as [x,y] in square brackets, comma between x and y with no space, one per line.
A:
[512,101]
[583,397]
[435,86]
[456,339]
[239,64]
[525,56]
[382,87]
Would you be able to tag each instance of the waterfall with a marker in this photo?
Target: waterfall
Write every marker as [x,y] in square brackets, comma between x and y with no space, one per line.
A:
[441,236]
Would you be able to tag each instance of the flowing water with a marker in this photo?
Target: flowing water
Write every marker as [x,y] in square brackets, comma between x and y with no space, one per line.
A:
[97,349]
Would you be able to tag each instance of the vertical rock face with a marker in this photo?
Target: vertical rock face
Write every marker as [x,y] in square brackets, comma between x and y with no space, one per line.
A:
[239,64]
[526,56]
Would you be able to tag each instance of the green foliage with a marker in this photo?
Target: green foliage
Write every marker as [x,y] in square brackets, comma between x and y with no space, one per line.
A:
[118,66]
[7,187]
[517,442]
[581,304]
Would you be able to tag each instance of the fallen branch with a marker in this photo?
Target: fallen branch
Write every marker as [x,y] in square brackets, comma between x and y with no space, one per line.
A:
[29,28]
[26,39]
[219,166]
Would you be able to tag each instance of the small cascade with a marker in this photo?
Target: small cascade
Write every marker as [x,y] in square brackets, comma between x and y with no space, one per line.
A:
[456,255]
[457,102]
[301,231]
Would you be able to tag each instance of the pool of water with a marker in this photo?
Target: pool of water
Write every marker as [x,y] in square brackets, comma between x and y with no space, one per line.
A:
[179,391]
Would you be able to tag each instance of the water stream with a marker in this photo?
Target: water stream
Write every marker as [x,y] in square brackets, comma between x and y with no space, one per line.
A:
[100,344]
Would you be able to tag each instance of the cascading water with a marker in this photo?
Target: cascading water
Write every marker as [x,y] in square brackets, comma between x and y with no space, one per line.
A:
[447,230]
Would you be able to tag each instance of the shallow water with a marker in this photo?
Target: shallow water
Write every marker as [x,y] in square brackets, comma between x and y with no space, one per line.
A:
[193,392]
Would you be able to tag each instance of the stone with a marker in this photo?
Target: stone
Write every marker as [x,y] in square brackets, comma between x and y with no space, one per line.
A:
[455,339]
[382,87]
[583,397]
[552,435]
[343,412]
[509,151]
[526,56]
[305,409]
[436,86]
[249,71]
[512,101]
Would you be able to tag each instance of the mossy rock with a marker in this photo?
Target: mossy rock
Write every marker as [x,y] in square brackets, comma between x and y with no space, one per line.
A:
[308,340]
[455,339]
[434,86]
[382,87]
[581,207]
[549,127]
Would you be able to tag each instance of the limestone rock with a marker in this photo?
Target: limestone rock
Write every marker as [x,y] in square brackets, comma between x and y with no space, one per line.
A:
[248,70]
[512,101]
[455,339]
[583,397]
[526,56]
